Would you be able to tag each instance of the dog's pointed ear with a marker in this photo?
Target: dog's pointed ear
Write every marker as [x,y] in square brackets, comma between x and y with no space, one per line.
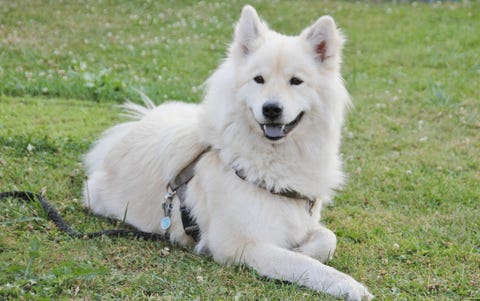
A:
[325,40]
[248,31]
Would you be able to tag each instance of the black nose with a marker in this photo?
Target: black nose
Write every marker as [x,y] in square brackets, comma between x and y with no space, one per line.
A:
[272,110]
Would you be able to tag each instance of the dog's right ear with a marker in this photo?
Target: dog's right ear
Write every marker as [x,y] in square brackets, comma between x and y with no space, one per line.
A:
[248,32]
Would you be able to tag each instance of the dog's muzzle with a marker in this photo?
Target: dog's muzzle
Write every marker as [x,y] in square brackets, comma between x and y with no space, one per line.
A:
[276,131]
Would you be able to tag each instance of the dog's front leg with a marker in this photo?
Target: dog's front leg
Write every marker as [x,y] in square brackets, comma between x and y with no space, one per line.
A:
[320,244]
[278,263]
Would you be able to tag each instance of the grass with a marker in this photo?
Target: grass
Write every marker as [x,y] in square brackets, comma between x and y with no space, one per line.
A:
[407,221]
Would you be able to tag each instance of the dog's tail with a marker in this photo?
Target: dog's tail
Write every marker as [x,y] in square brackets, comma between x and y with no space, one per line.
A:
[136,111]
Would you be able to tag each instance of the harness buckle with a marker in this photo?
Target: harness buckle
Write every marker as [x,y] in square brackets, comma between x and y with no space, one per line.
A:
[169,196]
[167,206]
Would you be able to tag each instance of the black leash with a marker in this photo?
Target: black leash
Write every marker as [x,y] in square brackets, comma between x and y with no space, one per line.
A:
[55,217]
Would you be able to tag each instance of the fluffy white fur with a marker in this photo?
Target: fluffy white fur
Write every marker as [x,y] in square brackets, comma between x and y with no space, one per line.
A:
[130,166]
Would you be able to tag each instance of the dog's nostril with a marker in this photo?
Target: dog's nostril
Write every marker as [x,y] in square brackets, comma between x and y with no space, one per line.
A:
[272,110]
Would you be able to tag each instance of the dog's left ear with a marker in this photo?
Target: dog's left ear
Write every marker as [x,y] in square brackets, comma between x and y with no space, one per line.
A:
[326,41]
[248,32]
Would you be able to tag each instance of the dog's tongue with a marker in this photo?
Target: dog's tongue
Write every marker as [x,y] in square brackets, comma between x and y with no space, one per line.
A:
[274,131]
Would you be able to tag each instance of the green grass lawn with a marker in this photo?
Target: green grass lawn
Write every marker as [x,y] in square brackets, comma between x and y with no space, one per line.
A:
[408,220]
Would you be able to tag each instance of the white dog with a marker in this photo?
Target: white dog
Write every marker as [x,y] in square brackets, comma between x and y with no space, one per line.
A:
[265,150]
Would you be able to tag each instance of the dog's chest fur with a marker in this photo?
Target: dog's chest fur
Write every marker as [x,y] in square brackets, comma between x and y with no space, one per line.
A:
[230,218]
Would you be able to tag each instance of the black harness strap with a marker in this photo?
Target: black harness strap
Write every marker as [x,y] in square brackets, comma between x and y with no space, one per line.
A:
[288,193]
[56,218]
[179,185]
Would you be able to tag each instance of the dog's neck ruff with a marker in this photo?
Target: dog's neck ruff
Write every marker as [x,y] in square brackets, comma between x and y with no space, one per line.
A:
[288,193]
[178,186]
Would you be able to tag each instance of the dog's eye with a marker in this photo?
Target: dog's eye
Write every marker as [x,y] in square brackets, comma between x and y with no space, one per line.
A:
[259,79]
[295,81]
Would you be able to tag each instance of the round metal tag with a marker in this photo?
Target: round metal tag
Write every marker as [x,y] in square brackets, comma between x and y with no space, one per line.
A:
[165,223]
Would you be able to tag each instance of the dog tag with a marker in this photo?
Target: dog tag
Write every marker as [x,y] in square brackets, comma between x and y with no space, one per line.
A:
[165,223]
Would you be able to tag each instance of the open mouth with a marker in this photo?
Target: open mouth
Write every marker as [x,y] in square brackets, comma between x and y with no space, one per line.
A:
[276,131]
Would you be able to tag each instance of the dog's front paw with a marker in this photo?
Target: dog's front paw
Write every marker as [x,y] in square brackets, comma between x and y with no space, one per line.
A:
[350,289]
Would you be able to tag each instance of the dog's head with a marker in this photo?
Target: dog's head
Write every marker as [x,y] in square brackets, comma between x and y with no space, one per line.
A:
[283,80]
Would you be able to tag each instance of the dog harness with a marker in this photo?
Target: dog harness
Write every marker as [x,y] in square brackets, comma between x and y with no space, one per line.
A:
[288,193]
[178,186]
